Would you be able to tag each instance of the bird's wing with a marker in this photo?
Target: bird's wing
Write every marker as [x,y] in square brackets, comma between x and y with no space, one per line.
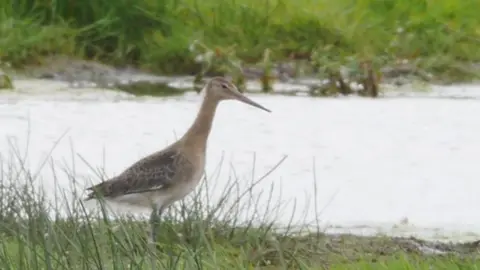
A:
[153,172]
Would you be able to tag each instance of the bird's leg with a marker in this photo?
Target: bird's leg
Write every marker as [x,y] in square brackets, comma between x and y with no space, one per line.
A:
[154,222]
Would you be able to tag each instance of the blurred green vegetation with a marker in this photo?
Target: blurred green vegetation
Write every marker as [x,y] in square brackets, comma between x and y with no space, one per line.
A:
[157,34]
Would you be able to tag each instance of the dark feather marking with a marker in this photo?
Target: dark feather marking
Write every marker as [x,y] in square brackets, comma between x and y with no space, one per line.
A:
[154,172]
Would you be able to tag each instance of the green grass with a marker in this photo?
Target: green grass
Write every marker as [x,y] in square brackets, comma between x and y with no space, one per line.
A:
[156,34]
[196,233]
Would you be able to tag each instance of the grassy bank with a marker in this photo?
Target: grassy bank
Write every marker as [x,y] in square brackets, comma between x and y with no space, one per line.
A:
[439,36]
[61,233]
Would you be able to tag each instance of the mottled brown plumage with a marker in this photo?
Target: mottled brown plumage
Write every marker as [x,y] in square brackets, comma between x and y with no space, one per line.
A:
[152,173]
[166,176]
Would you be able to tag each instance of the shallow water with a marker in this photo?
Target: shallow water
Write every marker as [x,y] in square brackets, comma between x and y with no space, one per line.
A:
[375,163]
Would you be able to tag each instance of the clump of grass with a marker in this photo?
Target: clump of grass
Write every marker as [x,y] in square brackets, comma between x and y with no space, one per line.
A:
[5,81]
[266,78]
[59,232]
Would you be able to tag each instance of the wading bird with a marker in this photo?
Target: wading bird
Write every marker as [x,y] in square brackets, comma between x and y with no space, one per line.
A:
[164,177]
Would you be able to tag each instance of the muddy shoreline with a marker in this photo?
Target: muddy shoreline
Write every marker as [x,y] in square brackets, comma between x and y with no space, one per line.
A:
[333,249]
[80,73]
[392,244]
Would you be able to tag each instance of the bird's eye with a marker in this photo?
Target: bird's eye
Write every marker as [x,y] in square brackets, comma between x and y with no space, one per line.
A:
[224,86]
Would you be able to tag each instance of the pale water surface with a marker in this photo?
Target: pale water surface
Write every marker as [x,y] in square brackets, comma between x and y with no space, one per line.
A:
[375,163]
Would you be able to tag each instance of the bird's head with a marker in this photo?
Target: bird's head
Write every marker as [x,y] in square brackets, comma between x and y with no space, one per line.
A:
[222,89]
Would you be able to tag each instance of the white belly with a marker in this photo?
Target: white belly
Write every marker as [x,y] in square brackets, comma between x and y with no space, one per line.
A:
[143,200]
[157,198]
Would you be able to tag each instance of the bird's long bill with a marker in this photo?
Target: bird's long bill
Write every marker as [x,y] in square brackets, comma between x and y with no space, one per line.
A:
[248,101]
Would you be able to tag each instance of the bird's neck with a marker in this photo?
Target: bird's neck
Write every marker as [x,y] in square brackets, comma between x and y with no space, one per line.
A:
[197,134]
